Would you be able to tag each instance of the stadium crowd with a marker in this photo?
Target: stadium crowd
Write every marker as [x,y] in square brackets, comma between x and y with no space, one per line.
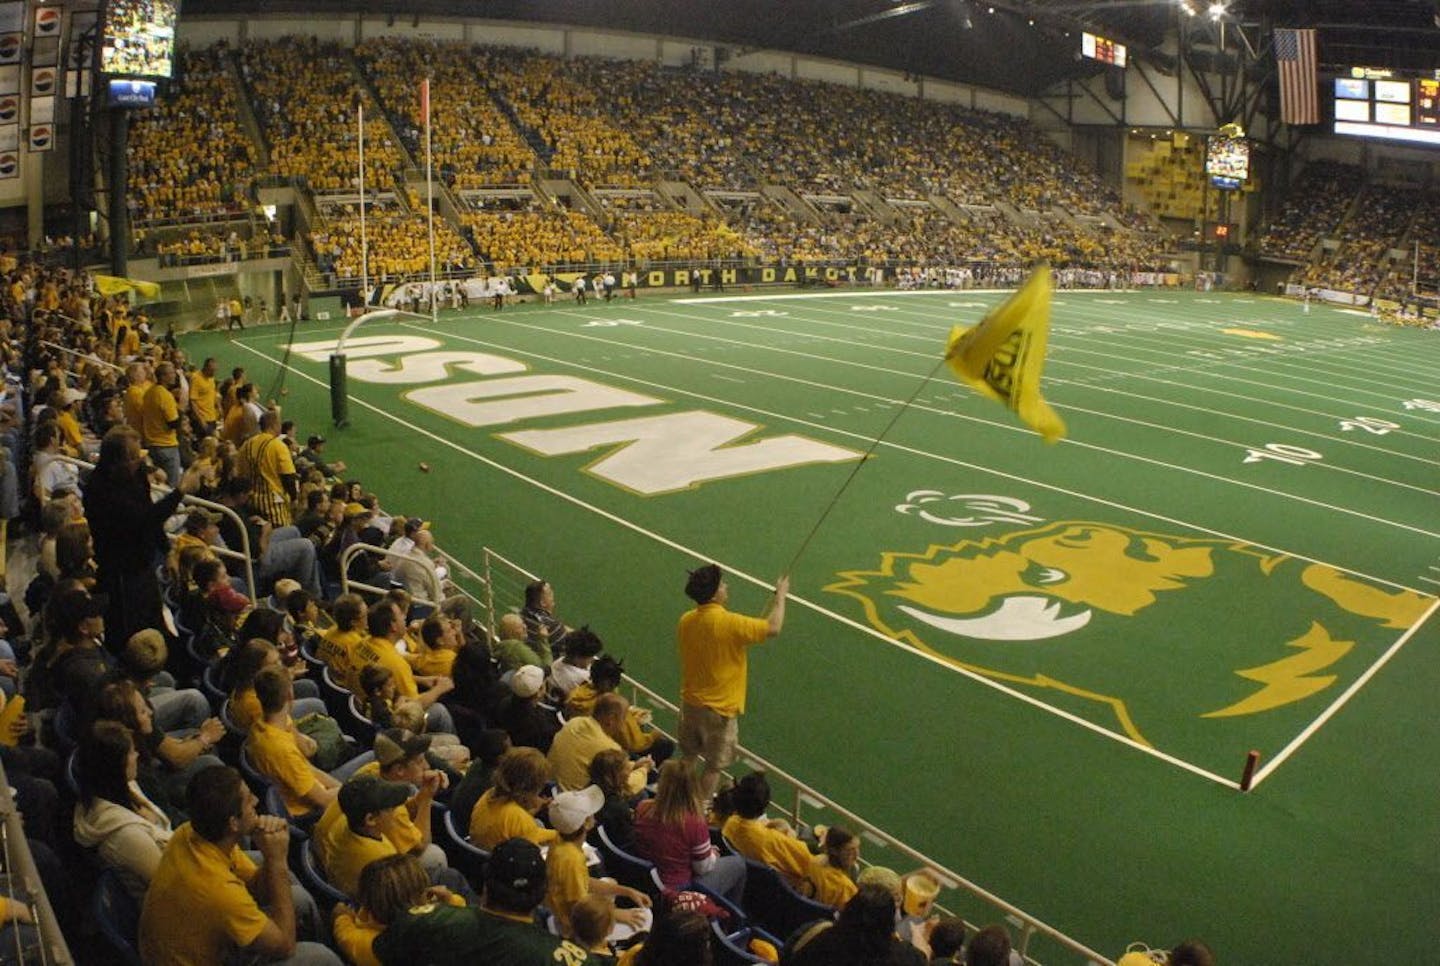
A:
[500,115]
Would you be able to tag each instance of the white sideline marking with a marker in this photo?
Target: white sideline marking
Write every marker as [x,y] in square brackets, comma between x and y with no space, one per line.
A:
[1339,702]
[855,625]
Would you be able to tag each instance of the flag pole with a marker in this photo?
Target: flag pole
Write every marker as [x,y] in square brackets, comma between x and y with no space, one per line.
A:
[874,444]
[429,193]
[364,242]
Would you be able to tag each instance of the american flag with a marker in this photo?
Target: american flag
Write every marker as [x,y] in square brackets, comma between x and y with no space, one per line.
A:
[1299,94]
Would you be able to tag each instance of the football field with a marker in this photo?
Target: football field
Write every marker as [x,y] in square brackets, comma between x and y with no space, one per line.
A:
[1042,665]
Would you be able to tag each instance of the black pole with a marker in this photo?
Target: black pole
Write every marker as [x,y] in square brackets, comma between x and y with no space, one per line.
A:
[119,175]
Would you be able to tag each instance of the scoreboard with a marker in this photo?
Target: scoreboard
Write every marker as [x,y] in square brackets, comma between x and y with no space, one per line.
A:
[1389,105]
[1102,49]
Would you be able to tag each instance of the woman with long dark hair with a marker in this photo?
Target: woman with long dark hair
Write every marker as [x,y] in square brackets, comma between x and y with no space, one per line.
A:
[128,530]
[113,816]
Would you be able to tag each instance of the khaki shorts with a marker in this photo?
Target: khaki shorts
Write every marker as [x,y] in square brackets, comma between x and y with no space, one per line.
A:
[709,735]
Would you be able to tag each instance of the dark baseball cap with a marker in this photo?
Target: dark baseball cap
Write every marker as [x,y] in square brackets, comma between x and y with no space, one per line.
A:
[367,794]
[517,866]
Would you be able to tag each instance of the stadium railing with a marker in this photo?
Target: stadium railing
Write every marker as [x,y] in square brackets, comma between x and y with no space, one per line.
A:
[20,881]
[384,553]
[225,553]
[500,579]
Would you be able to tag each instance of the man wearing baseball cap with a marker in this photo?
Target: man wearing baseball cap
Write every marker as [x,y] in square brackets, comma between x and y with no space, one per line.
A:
[400,759]
[714,661]
[502,930]
[368,804]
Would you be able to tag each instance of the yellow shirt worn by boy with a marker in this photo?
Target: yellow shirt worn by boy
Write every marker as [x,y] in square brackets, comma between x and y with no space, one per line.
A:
[403,833]
[567,878]
[337,649]
[198,905]
[493,822]
[275,755]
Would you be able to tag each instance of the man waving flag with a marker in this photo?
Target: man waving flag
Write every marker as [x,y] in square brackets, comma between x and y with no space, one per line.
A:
[1003,356]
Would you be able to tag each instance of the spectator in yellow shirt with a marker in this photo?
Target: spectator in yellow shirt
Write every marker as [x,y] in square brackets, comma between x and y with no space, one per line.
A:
[204,399]
[714,649]
[760,840]
[387,627]
[205,901]
[160,421]
[508,808]
[275,753]
[567,876]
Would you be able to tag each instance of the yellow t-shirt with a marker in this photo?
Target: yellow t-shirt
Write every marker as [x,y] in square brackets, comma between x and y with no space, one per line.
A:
[245,708]
[404,834]
[829,884]
[714,648]
[493,822]
[379,650]
[264,457]
[581,699]
[198,905]
[567,879]
[349,853]
[336,648]
[354,934]
[436,662]
[157,411]
[234,428]
[134,396]
[69,427]
[572,750]
[275,755]
[753,839]
[203,396]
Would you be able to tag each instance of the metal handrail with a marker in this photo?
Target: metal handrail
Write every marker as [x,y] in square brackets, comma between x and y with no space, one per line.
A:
[20,867]
[242,555]
[80,355]
[349,554]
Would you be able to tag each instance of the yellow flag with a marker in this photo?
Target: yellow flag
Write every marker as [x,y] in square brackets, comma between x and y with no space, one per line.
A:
[114,285]
[1003,356]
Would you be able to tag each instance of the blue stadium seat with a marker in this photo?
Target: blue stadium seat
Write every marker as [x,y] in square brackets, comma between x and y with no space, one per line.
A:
[274,804]
[464,855]
[335,695]
[357,725]
[210,685]
[231,725]
[345,771]
[774,905]
[118,917]
[627,868]
[257,782]
[732,946]
[325,895]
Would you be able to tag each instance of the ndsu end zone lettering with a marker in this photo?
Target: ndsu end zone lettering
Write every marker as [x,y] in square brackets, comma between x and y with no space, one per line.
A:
[650,455]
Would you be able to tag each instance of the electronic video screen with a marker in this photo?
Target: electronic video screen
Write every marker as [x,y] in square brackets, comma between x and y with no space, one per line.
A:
[1351,88]
[1395,92]
[1388,105]
[138,39]
[1227,161]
